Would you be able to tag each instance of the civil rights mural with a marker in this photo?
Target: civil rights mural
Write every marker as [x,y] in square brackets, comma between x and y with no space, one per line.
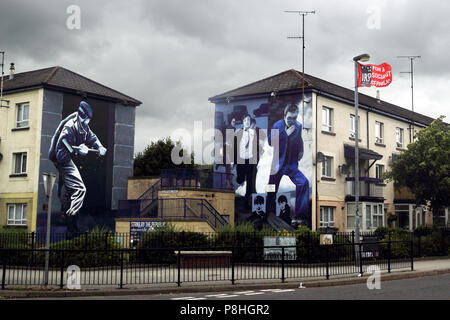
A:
[73,137]
[89,144]
[266,146]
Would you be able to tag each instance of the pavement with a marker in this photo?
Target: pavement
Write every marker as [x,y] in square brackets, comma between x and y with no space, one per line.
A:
[422,268]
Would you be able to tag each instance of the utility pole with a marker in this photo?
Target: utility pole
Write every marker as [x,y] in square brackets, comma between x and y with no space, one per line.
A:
[303,14]
[411,58]
[1,85]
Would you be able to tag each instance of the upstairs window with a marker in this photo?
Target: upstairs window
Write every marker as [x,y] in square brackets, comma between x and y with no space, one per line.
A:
[352,127]
[327,119]
[379,171]
[379,132]
[327,165]
[23,115]
[399,137]
[20,163]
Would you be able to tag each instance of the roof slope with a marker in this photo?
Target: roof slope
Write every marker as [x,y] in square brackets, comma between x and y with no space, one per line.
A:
[293,79]
[63,78]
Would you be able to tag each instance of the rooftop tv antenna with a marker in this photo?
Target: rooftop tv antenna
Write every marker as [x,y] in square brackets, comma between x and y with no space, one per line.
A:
[1,84]
[411,71]
[303,14]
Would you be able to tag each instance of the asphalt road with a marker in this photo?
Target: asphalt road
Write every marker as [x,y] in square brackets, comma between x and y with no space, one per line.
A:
[426,288]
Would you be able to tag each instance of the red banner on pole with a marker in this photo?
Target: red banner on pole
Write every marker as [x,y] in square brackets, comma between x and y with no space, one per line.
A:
[373,75]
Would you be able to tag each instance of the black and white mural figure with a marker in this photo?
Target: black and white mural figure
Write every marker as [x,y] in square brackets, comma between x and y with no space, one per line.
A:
[259,212]
[248,149]
[271,154]
[290,153]
[73,137]
[283,207]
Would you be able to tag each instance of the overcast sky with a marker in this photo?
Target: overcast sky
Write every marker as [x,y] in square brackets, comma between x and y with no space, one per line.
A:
[175,54]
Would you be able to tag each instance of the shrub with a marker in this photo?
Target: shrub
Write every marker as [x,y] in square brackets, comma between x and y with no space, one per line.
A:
[96,249]
[157,246]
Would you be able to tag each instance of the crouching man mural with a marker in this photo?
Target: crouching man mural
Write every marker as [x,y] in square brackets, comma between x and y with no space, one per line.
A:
[73,136]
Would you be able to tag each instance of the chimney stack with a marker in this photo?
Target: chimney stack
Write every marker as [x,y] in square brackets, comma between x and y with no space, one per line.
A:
[11,71]
[378,96]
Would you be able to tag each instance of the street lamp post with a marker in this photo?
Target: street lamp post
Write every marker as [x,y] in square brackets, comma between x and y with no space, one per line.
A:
[361,58]
[49,181]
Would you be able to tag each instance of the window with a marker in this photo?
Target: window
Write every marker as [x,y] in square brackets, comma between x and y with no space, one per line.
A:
[17,214]
[326,216]
[23,115]
[368,216]
[374,215]
[327,164]
[439,217]
[351,212]
[379,171]
[378,132]
[399,137]
[20,163]
[326,119]
[352,126]
[378,216]
[402,212]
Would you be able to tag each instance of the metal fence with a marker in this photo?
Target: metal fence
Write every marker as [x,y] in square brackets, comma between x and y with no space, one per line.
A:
[144,266]
[195,178]
[426,242]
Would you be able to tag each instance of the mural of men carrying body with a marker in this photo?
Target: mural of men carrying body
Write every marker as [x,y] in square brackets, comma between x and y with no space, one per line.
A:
[73,135]
[290,153]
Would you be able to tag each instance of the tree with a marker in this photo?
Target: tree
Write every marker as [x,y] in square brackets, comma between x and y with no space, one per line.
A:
[157,156]
[425,166]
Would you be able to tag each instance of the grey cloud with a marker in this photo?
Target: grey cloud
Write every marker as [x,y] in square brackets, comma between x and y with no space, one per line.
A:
[173,55]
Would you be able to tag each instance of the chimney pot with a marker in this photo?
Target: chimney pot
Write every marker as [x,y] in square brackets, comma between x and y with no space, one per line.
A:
[11,71]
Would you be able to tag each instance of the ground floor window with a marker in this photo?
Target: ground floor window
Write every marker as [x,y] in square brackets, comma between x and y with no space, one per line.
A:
[17,214]
[371,216]
[440,217]
[326,217]
[351,213]
[410,216]
[402,211]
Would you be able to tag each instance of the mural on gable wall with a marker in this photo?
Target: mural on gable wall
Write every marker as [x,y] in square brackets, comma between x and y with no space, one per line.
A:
[73,138]
[89,144]
[248,156]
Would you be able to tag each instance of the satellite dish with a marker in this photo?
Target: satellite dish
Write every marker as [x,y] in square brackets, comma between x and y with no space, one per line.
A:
[320,157]
[344,169]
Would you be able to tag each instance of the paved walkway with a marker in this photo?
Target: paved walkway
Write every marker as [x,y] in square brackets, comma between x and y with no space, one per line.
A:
[222,283]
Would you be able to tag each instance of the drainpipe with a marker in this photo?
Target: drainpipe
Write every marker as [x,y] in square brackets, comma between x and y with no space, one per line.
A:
[317,192]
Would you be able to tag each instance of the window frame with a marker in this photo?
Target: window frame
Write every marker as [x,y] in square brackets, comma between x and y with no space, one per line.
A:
[22,162]
[399,137]
[327,121]
[377,171]
[20,112]
[15,221]
[380,125]
[326,212]
[352,133]
[327,165]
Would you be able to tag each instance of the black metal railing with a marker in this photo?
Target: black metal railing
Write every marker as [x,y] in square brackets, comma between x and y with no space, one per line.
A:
[426,241]
[144,266]
[195,178]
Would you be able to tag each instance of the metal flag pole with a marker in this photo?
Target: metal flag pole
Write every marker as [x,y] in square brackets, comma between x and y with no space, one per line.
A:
[303,14]
[361,58]
[411,58]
